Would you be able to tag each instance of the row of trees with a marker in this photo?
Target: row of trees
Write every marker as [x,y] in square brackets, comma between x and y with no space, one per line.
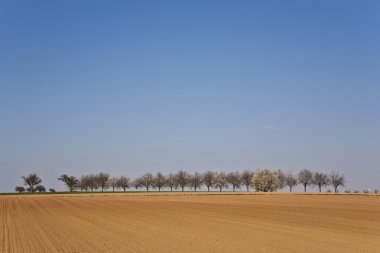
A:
[264,180]
[273,180]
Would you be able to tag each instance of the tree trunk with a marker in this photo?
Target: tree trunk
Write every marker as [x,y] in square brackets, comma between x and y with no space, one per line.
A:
[159,189]
[336,189]
[304,187]
[220,189]
[320,188]
[171,188]
[182,188]
[208,188]
[290,188]
[247,188]
[233,188]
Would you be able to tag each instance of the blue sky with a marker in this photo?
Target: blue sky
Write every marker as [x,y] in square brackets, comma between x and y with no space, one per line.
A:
[129,87]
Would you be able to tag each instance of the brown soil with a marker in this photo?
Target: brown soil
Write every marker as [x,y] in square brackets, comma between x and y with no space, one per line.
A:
[190,223]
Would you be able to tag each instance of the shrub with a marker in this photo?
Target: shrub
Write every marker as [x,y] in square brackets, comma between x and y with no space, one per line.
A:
[266,180]
[19,189]
[40,188]
[51,190]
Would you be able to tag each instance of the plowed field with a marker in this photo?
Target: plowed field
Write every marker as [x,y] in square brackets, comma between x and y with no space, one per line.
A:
[190,223]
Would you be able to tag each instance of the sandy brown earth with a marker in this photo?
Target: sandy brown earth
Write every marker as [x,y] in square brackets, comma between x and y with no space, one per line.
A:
[190,223]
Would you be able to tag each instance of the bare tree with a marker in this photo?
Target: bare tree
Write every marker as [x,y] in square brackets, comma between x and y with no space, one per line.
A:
[171,182]
[305,177]
[321,179]
[19,189]
[113,182]
[209,179]
[136,183]
[246,178]
[92,182]
[78,185]
[337,180]
[182,179]
[266,180]
[123,183]
[234,178]
[32,180]
[290,180]
[220,180]
[146,181]
[83,183]
[70,181]
[159,181]
[102,179]
[195,181]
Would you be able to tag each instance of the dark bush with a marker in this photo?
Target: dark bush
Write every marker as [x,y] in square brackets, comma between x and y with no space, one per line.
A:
[40,188]
[19,189]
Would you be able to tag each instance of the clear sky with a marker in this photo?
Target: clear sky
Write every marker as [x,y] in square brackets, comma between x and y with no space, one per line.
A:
[129,87]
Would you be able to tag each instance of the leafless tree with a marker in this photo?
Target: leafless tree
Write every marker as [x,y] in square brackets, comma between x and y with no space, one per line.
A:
[209,179]
[19,189]
[32,180]
[290,180]
[113,182]
[171,182]
[337,180]
[266,180]
[195,181]
[220,180]
[136,183]
[182,179]
[102,179]
[246,178]
[146,181]
[159,181]
[92,182]
[123,183]
[234,178]
[321,179]
[83,184]
[305,177]
[70,181]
